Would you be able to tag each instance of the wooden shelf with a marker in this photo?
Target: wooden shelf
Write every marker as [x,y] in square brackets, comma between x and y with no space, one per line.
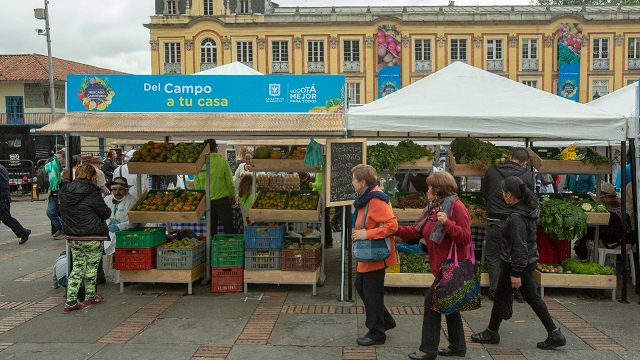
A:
[566,166]
[281,165]
[463,169]
[165,216]
[164,168]
[423,162]
[407,214]
[596,218]
[282,277]
[284,215]
[162,276]
[579,281]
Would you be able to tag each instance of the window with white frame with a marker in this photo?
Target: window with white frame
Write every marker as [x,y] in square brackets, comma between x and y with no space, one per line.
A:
[599,88]
[280,51]
[634,54]
[244,6]
[353,93]
[315,51]
[208,51]
[207,7]
[422,49]
[352,50]
[458,50]
[172,7]
[172,53]
[532,83]
[244,51]
[601,48]
[494,49]
[529,48]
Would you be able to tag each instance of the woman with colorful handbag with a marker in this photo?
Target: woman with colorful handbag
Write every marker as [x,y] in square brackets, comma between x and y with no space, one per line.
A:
[374,223]
[443,223]
[519,255]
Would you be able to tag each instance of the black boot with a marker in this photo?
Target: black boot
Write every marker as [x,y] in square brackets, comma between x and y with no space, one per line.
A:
[486,337]
[554,339]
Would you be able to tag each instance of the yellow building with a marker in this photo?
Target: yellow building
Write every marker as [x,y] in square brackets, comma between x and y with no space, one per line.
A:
[518,42]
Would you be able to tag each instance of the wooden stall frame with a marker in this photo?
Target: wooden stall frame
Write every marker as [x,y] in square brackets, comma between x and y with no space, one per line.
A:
[164,168]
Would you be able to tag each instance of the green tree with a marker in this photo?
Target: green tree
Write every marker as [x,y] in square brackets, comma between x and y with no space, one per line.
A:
[585,2]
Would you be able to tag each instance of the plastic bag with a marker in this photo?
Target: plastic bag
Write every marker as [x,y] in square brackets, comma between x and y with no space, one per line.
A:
[313,156]
[409,249]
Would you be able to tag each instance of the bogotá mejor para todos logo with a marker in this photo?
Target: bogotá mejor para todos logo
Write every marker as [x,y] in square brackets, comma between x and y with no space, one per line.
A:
[568,89]
[95,93]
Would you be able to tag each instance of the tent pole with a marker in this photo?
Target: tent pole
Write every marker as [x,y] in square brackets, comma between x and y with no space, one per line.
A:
[623,216]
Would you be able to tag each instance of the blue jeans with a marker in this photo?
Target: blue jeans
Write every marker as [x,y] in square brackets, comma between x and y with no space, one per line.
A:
[53,212]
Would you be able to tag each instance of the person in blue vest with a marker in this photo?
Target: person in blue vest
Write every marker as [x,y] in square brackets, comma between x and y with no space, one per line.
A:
[580,184]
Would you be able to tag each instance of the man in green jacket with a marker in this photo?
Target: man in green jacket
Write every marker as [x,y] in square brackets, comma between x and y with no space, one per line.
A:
[221,189]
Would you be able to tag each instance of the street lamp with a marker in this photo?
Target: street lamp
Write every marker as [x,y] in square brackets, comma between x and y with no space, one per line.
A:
[43,14]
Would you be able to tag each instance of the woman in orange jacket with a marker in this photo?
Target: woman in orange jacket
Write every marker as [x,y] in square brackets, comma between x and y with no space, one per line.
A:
[379,223]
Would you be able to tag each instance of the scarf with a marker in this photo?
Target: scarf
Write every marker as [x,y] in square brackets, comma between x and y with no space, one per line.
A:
[445,205]
[363,199]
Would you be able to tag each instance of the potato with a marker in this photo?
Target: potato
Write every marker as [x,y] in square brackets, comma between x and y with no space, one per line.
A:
[387,58]
[395,61]
[381,66]
[381,51]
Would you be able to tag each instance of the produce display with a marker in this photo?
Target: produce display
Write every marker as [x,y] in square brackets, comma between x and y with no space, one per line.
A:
[298,153]
[268,152]
[586,155]
[384,157]
[303,201]
[296,246]
[477,208]
[478,153]
[407,150]
[156,201]
[578,267]
[562,220]
[187,201]
[416,200]
[552,268]
[271,200]
[414,263]
[184,243]
[167,152]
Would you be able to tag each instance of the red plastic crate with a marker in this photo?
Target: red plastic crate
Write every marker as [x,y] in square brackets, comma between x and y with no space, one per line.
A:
[300,259]
[227,279]
[136,258]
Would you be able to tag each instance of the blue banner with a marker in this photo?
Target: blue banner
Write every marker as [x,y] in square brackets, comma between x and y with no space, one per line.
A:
[569,81]
[389,59]
[206,93]
[388,80]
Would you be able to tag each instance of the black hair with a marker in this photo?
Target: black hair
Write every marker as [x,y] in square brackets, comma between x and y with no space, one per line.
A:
[520,154]
[519,189]
[76,160]
[212,144]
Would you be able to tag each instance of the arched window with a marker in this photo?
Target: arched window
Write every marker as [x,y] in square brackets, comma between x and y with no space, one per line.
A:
[208,54]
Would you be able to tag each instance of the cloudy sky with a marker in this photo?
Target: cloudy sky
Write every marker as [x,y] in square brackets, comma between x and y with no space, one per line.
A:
[110,34]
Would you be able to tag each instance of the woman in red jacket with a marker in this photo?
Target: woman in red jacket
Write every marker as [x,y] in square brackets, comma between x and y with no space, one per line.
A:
[379,223]
[445,220]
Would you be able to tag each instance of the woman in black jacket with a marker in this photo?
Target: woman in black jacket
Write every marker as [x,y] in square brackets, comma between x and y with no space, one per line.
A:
[519,255]
[83,213]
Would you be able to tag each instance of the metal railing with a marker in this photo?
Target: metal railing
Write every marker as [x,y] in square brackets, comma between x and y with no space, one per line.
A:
[600,64]
[634,64]
[207,66]
[315,66]
[495,65]
[530,64]
[172,68]
[280,67]
[423,65]
[28,118]
[351,66]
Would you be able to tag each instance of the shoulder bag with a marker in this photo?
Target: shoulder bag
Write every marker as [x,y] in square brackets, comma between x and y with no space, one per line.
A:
[457,286]
[371,250]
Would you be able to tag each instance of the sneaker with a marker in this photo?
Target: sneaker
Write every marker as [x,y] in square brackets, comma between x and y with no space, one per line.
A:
[77,306]
[25,237]
[554,339]
[59,237]
[57,233]
[486,337]
[94,300]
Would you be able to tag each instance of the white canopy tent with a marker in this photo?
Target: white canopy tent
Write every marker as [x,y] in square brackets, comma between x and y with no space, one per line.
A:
[623,101]
[462,100]
[234,68]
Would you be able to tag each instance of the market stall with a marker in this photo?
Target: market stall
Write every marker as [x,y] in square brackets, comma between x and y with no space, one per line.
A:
[464,101]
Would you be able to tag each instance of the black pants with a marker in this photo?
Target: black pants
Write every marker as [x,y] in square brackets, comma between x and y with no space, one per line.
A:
[10,221]
[529,290]
[370,287]
[221,209]
[431,326]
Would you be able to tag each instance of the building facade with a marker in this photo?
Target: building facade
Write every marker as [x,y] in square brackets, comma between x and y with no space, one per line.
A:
[522,43]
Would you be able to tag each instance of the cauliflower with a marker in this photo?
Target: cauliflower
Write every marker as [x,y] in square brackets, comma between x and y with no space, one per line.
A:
[586,207]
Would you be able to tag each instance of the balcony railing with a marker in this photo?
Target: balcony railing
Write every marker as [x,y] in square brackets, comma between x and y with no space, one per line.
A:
[352,66]
[28,118]
[530,64]
[315,66]
[423,65]
[172,68]
[207,66]
[280,67]
[495,65]
[248,63]
[634,64]
[600,64]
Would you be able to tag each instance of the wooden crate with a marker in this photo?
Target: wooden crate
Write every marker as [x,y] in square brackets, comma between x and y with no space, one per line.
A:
[163,168]
[282,164]
[423,162]
[165,216]
[574,280]
[598,218]
[566,166]
[463,169]
[281,215]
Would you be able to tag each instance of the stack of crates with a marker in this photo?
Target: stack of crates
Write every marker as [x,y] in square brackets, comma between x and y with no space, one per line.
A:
[262,246]
[182,256]
[227,258]
[304,255]
[136,249]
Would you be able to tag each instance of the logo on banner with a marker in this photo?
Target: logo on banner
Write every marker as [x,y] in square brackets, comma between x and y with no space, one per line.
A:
[568,89]
[95,93]
[274,89]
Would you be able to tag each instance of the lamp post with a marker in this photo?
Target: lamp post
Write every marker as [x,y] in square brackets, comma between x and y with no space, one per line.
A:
[43,14]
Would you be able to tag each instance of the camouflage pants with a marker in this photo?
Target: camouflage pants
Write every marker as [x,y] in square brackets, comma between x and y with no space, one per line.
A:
[86,257]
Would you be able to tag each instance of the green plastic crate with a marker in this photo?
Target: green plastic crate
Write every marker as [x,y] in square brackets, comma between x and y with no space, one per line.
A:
[546,153]
[138,238]
[227,250]
[181,258]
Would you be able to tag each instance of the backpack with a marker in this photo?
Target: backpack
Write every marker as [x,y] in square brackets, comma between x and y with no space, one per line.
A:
[42,178]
